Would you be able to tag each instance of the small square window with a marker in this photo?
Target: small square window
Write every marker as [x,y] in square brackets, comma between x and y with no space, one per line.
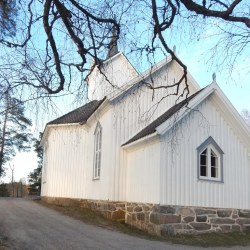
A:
[210,161]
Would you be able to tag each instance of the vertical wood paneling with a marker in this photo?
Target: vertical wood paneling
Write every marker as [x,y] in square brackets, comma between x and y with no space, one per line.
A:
[64,175]
[234,191]
[143,174]
[164,172]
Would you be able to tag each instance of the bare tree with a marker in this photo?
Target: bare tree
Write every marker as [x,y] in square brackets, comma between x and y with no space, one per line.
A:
[12,180]
[55,40]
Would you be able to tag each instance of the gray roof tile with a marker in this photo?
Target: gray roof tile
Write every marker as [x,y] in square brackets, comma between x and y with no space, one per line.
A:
[79,115]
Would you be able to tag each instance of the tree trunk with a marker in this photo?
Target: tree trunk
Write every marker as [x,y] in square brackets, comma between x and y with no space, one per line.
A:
[3,136]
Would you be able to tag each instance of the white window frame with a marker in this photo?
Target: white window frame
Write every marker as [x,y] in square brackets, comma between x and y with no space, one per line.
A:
[210,146]
[97,151]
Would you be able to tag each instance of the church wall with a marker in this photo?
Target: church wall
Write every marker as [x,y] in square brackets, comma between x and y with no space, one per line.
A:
[115,73]
[133,112]
[69,163]
[102,188]
[142,105]
[63,175]
[143,174]
[180,183]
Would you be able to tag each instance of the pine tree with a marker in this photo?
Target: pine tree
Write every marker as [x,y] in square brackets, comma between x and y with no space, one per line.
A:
[14,126]
[35,177]
[8,13]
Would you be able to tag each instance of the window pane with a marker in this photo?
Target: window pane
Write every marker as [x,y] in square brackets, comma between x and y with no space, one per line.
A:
[203,157]
[214,165]
[213,159]
[100,140]
[203,163]
[203,170]
[97,152]
[214,172]
[99,163]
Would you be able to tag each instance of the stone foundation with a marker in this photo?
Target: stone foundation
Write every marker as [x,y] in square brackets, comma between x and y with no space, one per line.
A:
[111,210]
[165,220]
[172,220]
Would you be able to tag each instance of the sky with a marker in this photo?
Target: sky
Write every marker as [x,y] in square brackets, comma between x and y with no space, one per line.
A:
[236,88]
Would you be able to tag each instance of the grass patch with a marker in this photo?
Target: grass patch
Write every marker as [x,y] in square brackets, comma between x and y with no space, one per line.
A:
[214,239]
[90,217]
[205,240]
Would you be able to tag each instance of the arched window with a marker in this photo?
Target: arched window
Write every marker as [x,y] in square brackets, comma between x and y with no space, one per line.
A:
[210,161]
[97,151]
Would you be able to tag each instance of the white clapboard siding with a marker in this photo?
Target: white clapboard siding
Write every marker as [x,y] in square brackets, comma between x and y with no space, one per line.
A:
[179,169]
[143,174]
[163,171]
[135,111]
[65,153]
[115,73]
[101,188]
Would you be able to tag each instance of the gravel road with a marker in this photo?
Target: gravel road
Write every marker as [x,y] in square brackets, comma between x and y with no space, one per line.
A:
[27,225]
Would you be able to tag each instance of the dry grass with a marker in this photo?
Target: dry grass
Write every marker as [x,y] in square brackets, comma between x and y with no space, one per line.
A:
[204,240]
[2,243]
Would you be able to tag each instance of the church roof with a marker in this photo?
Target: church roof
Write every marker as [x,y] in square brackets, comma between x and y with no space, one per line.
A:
[79,115]
[151,128]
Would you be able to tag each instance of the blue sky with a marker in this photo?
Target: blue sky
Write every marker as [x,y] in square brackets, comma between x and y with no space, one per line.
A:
[235,84]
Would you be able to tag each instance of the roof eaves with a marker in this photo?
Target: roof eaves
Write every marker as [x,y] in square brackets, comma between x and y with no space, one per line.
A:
[149,138]
[193,101]
[153,126]
[71,117]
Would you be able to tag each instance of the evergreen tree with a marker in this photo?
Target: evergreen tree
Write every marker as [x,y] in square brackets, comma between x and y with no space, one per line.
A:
[14,126]
[35,177]
[8,13]
[4,190]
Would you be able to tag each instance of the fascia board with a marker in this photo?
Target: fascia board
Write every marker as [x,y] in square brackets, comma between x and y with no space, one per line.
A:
[233,116]
[232,109]
[141,77]
[194,82]
[189,76]
[46,130]
[150,138]
[112,58]
[100,111]
[165,126]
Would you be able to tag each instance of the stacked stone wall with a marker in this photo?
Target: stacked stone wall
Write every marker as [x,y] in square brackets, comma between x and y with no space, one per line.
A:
[165,220]
[111,210]
[172,220]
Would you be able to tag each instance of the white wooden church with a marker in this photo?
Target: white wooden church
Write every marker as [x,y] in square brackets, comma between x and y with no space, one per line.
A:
[156,160]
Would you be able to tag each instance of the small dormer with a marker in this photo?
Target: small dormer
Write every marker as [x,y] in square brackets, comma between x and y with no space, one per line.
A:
[112,75]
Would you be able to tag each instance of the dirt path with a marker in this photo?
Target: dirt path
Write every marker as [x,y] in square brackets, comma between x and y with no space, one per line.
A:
[27,225]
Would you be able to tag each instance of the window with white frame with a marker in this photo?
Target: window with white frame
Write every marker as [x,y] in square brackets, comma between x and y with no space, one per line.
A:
[97,151]
[210,161]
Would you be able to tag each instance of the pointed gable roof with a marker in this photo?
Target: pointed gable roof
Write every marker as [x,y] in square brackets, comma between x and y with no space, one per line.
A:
[151,128]
[79,115]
